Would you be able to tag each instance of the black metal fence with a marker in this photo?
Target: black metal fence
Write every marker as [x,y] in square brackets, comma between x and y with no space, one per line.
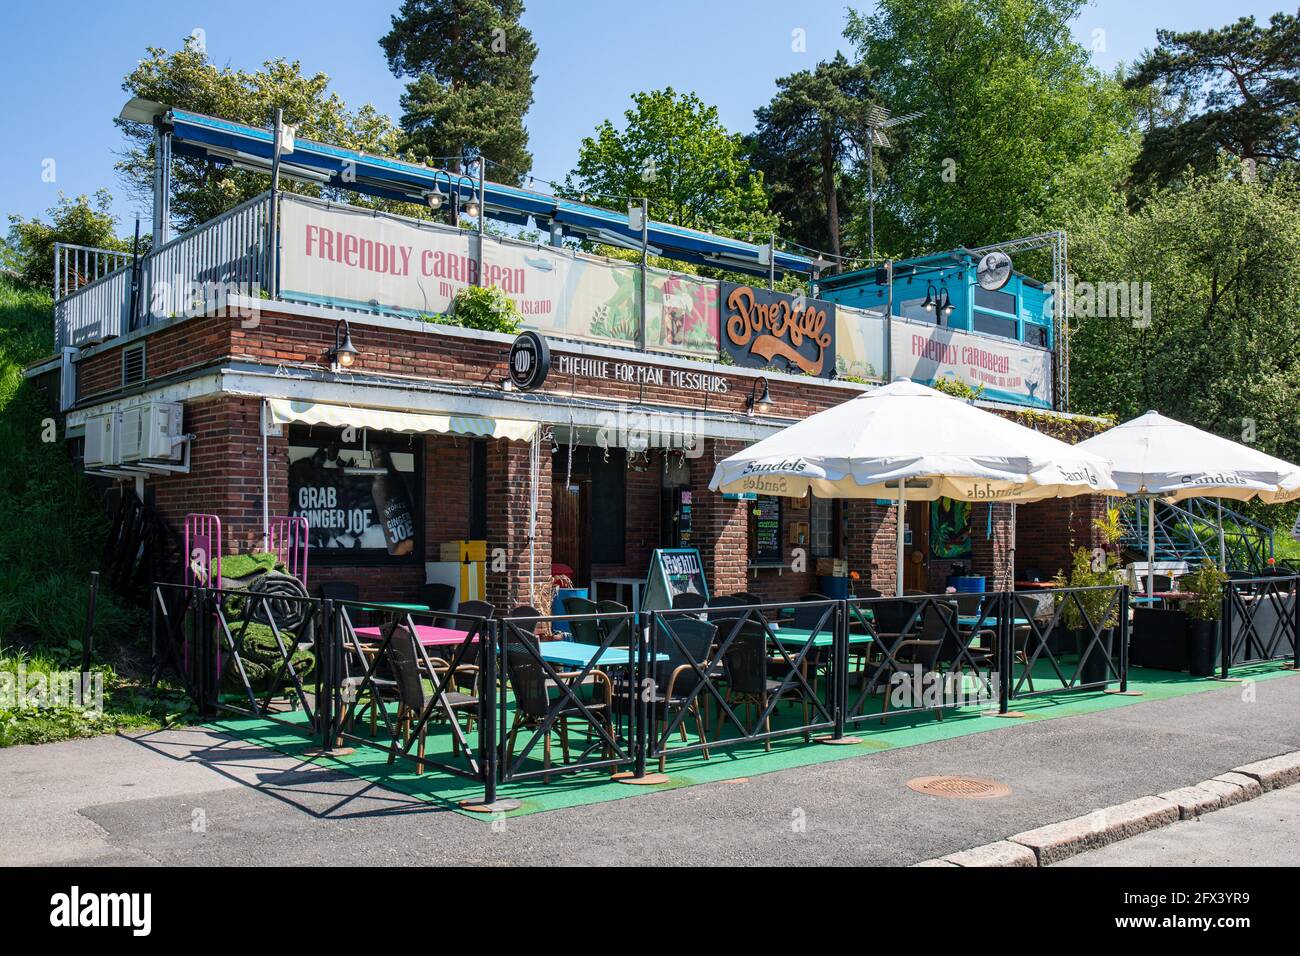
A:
[1260,621]
[492,701]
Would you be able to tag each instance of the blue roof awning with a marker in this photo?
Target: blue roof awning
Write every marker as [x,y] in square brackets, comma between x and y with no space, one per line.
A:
[250,147]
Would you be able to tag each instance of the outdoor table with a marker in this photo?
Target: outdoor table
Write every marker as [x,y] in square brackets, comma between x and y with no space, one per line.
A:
[426,634]
[1034,585]
[971,620]
[824,638]
[575,655]
[395,606]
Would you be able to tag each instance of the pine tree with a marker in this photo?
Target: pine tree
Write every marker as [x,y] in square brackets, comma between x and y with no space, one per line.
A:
[470,64]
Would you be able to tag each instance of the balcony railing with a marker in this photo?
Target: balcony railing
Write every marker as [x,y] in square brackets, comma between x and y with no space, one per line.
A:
[361,260]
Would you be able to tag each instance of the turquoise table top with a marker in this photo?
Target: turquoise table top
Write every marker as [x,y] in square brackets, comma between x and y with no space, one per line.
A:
[799,635]
[970,620]
[573,654]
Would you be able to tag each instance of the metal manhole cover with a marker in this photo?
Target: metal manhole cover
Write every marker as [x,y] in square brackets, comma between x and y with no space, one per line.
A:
[960,788]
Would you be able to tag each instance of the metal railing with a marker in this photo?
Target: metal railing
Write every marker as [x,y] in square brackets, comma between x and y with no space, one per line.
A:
[76,266]
[1188,531]
[1260,622]
[191,273]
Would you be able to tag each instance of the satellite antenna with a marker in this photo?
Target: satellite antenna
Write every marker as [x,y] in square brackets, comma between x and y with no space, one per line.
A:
[878,120]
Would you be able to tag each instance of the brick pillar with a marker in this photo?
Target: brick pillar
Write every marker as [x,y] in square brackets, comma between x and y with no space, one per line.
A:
[870,536]
[720,528]
[991,550]
[508,496]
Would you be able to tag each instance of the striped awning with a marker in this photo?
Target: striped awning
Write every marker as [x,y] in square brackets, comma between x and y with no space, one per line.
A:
[292,411]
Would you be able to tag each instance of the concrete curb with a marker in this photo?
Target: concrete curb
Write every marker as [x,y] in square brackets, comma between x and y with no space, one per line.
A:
[1054,842]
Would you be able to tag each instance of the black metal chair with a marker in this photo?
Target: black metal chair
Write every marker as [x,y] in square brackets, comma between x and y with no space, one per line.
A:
[747,680]
[476,609]
[438,597]
[584,631]
[411,667]
[360,697]
[533,701]
[691,640]
[618,632]
[689,601]
[344,591]
[805,618]
[523,623]
[921,644]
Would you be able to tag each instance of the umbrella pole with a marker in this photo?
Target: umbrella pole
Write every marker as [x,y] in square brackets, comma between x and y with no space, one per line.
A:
[1223,548]
[1151,546]
[902,517]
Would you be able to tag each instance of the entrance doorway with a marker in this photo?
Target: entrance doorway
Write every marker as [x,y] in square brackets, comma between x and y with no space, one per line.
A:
[588,510]
[916,551]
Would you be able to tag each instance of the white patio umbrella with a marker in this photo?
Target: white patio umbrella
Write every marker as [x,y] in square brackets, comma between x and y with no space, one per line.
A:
[1158,457]
[905,440]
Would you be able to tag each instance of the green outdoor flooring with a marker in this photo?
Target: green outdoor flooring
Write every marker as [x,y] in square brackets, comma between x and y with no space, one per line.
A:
[577,789]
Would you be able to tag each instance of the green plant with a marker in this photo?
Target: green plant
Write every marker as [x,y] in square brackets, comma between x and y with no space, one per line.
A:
[1206,585]
[486,308]
[957,389]
[1092,570]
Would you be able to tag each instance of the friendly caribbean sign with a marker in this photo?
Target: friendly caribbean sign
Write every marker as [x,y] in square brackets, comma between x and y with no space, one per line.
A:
[792,333]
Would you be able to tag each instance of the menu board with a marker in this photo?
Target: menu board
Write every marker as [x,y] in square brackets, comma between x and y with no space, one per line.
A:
[684,518]
[673,571]
[765,513]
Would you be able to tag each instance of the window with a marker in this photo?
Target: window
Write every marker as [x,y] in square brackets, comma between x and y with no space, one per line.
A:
[1036,334]
[361,498]
[913,309]
[997,301]
[991,324]
[824,542]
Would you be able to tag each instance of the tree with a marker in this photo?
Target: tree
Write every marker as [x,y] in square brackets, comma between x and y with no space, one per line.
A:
[1018,129]
[1241,84]
[471,65]
[83,220]
[809,143]
[1219,347]
[187,79]
[674,151]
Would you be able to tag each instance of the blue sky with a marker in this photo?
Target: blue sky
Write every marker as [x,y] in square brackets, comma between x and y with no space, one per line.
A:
[61,66]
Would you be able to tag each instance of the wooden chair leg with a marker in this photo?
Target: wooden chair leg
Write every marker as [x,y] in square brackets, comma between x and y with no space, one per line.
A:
[564,737]
[699,726]
[546,756]
[419,767]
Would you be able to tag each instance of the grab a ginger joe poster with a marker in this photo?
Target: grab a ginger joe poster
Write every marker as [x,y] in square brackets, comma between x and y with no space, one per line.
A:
[358,497]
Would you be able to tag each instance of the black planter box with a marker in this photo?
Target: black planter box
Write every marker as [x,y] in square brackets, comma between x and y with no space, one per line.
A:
[1095,669]
[1202,647]
[1159,639]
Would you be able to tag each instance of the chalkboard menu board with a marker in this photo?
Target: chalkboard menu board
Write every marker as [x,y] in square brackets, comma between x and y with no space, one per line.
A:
[673,571]
[684,517]
[765,518]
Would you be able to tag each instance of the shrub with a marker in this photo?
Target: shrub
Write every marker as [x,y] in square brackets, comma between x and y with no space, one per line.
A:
[487,309]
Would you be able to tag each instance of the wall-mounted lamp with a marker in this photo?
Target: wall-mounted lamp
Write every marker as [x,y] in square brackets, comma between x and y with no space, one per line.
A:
[946,308]
[756,402]
[344,352]
[931,302]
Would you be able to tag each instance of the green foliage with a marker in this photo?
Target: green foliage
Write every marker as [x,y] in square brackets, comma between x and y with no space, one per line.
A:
[472,82]
[84,220]
[674,150]
[1018,128]
[1221,349]
[189,80]
[1206,583]
[957,388]
[485,308]
[810,143]
[54,526]
[1243,81]
[1091,571]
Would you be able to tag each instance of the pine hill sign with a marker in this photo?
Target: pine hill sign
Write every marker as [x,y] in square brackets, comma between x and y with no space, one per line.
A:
[791,333]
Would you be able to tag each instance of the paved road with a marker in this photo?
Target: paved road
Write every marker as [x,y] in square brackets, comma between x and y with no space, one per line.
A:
[121,800]
[1259,832]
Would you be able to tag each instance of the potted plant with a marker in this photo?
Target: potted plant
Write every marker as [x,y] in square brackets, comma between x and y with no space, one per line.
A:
[1100,571]
[1204,609]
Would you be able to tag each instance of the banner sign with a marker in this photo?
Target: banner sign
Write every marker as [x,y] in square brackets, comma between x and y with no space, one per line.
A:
[859,343]
[1008,370]
[762,328]
[673,571]
[359,259]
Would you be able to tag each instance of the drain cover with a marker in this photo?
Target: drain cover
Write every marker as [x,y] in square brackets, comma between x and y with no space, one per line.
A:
[959,788]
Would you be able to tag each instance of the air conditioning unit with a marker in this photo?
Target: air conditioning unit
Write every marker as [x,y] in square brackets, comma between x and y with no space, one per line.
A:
[152,431]
[103,444]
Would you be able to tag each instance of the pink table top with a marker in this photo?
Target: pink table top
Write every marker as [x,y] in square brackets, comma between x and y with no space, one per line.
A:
[426,634]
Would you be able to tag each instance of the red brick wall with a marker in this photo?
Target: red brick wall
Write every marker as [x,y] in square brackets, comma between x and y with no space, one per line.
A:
[1047,532]
[720,528]
[507,523]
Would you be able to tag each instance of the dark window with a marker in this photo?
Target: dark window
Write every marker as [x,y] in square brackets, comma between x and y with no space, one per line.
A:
[361,497]
[478,450]
[608,506]
[994,325]
[824,528]
[1036,334]
[133,364]
[997,301]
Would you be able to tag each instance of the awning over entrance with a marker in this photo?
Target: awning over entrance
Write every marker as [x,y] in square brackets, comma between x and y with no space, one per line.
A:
[288,411]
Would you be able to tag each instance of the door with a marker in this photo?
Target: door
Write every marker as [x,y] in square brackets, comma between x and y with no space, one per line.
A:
[916,552]
[570,515]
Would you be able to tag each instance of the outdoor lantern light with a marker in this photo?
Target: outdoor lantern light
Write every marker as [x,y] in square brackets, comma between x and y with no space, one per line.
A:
[946,308]
[344,352]
[434,199]
[759,402]
[472,207]
[929,304]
